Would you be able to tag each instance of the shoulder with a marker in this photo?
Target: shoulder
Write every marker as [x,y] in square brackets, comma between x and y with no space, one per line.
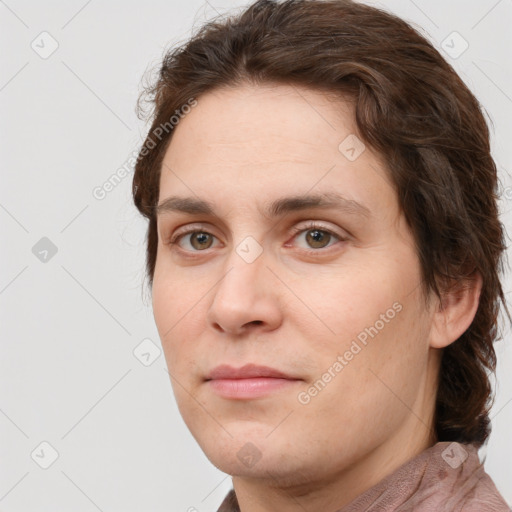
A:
[468,488]
[485,497]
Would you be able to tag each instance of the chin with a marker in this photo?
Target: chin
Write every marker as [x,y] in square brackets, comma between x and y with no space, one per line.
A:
[246,452]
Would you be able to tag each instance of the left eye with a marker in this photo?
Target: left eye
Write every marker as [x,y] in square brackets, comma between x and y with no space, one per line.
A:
[316,237]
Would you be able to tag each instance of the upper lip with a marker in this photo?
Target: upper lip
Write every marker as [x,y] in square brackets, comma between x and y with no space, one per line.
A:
[247,371]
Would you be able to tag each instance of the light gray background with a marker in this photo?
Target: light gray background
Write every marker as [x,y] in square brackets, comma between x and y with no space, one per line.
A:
[69,325]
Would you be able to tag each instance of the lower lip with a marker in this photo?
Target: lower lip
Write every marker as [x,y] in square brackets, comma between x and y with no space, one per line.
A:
[248,388]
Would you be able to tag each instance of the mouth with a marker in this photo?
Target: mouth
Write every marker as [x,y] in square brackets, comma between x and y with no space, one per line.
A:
[249,381]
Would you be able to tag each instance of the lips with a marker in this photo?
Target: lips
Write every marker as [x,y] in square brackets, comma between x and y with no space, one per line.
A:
[248,382]
[249,371]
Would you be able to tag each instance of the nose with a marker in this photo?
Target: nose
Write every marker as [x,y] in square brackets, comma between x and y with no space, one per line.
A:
[246,297]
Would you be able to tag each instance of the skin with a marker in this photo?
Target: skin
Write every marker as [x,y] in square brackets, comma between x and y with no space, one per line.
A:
[297,311]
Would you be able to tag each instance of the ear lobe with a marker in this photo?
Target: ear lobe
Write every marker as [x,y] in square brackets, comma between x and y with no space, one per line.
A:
[456,311]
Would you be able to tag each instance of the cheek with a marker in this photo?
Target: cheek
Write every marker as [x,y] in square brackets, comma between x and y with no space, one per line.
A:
[173,311]
[373,318]
[176,293]
[345,304]
[382,362]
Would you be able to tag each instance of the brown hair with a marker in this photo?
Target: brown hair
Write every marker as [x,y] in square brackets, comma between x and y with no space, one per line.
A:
[412,107]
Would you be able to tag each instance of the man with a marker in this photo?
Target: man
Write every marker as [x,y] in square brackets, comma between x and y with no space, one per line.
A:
[323,251]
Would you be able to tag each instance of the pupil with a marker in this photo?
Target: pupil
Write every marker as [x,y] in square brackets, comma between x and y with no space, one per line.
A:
[201,239]
[316,237]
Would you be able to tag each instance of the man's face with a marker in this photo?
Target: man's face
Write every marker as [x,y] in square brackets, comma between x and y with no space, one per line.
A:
[337,307]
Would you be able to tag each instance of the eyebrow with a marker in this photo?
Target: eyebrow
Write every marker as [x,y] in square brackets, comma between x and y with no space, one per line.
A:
[277,208]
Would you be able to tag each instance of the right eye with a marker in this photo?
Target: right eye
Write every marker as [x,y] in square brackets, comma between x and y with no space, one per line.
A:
[197,240]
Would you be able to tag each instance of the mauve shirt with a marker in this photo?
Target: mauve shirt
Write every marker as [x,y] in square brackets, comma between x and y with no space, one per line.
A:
[446,477]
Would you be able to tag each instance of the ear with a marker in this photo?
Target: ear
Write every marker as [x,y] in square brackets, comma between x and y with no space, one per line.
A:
[456,311]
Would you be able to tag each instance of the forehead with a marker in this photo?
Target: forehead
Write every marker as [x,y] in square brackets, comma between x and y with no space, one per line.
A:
[283,120]
[258,142]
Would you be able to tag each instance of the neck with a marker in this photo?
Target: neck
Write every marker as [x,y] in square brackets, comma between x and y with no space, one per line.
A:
[279,495]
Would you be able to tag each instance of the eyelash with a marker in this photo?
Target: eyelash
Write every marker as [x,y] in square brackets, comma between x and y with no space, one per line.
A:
[295,231]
